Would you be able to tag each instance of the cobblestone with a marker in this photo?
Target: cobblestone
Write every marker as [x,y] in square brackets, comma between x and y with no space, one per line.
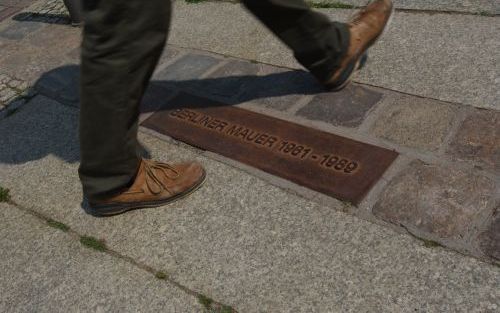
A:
[49,11]
[478,139]
[229,80]
[19,30]
[10,88]
[436,201]
[279,88]
[187,69]
[414,122]
[345,108]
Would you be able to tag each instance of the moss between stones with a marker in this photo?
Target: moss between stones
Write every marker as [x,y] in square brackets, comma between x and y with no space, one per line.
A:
[93,243]
[329,5]
[226,309]
[205,301]
[4,194]
[195,1]
[430,243]
[161,275]
[58,225]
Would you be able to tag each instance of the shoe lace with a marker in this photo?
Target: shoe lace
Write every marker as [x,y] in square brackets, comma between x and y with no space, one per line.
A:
[153,181]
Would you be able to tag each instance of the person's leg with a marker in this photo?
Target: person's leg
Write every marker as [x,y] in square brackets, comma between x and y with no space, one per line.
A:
[317,43]
[122,42]
[331,51]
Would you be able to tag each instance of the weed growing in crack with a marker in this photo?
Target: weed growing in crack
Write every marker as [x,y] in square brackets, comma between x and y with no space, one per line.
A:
[161,275]
[93,243]
[330,5]
[4,194]
[58,225]
[226,309]
[485,13]
[205,301]
[195,1]
[430,243]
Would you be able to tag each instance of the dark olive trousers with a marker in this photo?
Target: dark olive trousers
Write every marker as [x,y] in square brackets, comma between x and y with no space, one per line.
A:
[122,42]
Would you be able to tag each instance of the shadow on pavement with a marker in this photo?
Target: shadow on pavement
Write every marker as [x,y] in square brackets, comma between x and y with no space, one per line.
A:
[47,18]
[45,127]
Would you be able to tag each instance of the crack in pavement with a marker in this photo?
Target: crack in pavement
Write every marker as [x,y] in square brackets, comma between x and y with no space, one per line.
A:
[211,306]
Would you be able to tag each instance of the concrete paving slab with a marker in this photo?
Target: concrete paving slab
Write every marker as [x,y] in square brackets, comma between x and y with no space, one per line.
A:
[443,56]
[46,270]
[241,240]
[469,6]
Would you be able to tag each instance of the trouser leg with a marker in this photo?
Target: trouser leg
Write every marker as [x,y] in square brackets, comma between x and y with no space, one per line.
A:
[122,42]
[318,44]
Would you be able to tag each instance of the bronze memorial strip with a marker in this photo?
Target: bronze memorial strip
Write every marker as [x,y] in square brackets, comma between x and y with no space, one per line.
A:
[334,165]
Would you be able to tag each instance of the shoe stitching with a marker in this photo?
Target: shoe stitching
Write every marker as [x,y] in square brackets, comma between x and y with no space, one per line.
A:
[153,181]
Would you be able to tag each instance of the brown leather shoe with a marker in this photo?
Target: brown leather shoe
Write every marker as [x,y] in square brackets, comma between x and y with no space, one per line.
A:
[365,28]
[156,184]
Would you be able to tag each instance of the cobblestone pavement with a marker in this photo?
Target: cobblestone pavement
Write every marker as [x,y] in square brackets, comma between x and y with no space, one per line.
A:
[442,193]
[10,89]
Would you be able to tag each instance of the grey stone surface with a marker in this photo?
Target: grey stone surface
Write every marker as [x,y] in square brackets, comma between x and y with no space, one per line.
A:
[345,108]
[64,38]
[61,84]
[168,54]
[16,3]
[470,6]
[456,63]
[414,122]
[438,202]
[490,239]
[6,12]
[229,80]
[29,62]
[189,67]
[279,88]
[55,7]
[442,56]
[156,97]
[10,88]
[478,139]
[241,240]
[19,30]
[46,270]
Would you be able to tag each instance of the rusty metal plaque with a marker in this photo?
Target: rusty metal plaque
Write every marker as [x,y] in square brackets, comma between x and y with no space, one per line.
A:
[334,165]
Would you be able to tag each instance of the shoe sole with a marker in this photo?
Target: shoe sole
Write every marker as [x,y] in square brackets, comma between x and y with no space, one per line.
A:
[364,55]
[360,63]
[120,208]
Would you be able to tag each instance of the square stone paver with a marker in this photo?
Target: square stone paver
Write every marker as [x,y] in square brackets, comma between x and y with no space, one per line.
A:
[187,69]
[19,30]
[61,84]
[279,88]
[62,38]
[229,80]
[345,108]
[478,139]
[435,200]
[414,122]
